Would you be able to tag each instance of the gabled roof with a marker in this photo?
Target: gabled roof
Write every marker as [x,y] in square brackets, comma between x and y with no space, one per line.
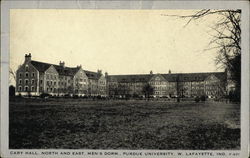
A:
[65,71]
[130,78]
[92,75]
[40,66]
[193,77]
[181,77]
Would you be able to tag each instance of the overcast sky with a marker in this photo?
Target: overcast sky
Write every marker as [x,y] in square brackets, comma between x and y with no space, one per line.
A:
[116,41]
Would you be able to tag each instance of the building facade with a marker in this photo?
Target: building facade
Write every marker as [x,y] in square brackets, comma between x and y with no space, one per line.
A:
[35,78]
[212,84]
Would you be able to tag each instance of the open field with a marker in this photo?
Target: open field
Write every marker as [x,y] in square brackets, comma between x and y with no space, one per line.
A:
[81,124]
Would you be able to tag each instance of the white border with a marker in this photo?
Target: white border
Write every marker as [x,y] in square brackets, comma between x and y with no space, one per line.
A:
[7,5]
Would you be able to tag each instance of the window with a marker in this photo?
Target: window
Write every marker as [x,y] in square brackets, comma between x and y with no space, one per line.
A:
[32,81]
[26,88]
[32,88]
[41,81]
[54,83]
[26,81]
[20,74]
[20,81]
[20,88]
[26,68]
[27,74]
[33,74]
[47,82]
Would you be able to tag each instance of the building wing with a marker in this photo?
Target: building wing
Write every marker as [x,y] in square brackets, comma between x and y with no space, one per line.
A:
[40,66]
[193,77]
[66,71]
[92,75]
[129,78]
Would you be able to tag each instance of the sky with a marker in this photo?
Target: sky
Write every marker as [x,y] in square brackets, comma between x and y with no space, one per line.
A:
[115,41]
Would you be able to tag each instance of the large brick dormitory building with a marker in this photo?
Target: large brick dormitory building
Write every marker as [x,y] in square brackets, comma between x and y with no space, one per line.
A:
[35,78]
[170,85]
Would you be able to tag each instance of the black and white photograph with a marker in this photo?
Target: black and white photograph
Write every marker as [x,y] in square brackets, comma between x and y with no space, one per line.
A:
[125,80]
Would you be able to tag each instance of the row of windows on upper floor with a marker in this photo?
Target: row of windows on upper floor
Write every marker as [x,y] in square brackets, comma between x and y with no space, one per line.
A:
[169,85]
[26,81]
[26,89]
[193,93]
[50,83]
[26,74]
[52,76]
[164,83]
[201,87]
[32,88]
[55,77]
[169,88]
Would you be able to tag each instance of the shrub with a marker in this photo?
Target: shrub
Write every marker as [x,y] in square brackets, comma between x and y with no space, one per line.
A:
[197,99]
[135,95]
[66,96]
[99,97]
[178,99]
[203,98]
[45,95]
[127,96]
[234,96]
[12,91]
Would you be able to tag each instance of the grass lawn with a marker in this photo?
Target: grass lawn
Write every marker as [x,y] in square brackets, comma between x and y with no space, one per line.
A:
[81,124]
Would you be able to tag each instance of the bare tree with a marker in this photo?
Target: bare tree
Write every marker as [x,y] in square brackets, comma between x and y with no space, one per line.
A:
[226,39]
[12,74]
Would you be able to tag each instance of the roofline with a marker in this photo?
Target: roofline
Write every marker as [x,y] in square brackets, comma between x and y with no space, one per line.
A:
[34,67]
[55,68]
[168,73]
[54,64]
[49,67]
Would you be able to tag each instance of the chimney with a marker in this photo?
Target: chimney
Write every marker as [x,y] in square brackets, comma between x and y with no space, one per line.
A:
[99,71]
[151,72]
[79,66]
[27,57]
[106,74]
[62,64]
[169,71]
